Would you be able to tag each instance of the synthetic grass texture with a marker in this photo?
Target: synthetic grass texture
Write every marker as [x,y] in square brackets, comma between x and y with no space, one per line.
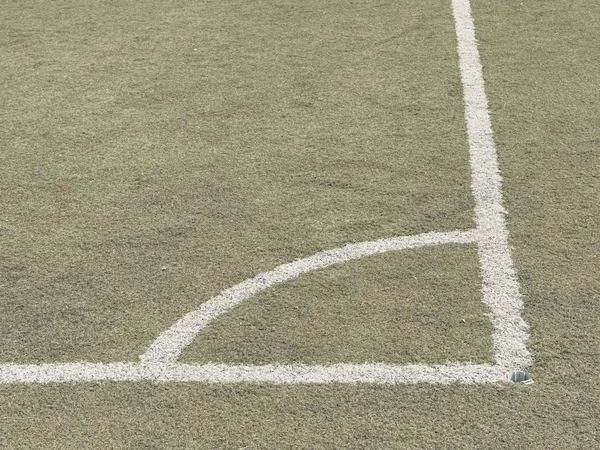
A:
[158,154]
[413,306]
[541,78]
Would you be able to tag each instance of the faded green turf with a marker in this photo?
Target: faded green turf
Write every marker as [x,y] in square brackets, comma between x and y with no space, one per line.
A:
[412,306]
[541,71]
[215,140]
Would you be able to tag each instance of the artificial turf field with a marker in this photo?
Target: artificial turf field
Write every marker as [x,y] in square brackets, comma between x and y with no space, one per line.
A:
[155,154]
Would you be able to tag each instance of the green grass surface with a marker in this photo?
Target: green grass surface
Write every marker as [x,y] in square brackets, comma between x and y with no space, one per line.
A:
[97,155]
[413,306]
[217,140]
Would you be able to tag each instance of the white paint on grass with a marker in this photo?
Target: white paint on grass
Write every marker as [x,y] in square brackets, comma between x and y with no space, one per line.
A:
[270,373]
[500,287]
[170,344]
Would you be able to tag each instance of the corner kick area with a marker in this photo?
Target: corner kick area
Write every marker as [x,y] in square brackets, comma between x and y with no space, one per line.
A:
[500,287]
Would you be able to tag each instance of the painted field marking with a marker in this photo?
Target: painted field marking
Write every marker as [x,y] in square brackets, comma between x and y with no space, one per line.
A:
[500,288]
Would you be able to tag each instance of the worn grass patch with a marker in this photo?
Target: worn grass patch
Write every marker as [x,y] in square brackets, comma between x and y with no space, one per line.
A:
[413,306]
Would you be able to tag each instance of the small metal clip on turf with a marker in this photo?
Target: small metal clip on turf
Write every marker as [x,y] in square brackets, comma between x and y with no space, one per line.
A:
[519,376]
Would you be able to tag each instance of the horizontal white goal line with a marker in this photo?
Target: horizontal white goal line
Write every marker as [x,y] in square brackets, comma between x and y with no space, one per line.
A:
[377,373]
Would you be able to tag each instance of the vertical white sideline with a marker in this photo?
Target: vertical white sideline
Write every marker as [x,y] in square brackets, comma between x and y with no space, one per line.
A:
[500,288]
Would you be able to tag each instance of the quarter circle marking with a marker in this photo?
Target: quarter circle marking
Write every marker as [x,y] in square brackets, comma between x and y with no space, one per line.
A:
[169,345]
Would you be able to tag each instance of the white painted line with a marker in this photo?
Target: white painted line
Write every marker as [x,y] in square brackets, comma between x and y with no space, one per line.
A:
[72,372]
[500,286]
[169,345]
[341,373]
[272,373]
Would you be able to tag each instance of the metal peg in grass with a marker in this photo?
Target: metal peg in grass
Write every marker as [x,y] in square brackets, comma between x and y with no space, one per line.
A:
[519,376]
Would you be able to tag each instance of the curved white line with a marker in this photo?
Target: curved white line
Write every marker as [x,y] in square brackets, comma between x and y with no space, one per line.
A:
[169,345]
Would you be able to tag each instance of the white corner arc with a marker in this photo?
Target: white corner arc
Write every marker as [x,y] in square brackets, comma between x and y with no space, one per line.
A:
[169,345]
